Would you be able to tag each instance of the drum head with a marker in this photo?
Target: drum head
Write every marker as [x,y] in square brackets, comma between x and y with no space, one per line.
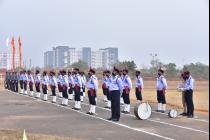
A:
[143,111]
[173,113]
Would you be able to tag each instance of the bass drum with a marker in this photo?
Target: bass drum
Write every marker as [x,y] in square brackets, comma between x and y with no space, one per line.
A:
[173,113]
[143,111]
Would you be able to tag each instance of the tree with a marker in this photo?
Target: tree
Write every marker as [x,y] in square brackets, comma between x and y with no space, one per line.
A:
[80,64]
[198,70]
[130,65]
[171,70]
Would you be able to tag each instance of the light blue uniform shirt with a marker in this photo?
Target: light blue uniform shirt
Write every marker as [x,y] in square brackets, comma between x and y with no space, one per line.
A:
[38,78]
[92,83]
[139,82]
[52,81]
[20,77]
[64,81]
[116,84]
[106,81]
[127,82]
[161,83]
[71,80]
[30,78]
[25,77]
[45,80]
[60,78]
[77,80]
[189,84]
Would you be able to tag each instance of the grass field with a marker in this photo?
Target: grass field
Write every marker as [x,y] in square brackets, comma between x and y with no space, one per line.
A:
[174,98]
[16,135]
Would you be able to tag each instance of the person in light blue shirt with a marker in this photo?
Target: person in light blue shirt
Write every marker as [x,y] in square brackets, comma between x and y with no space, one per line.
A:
[45,83]
[116,89]
[31,83]
[127,86]
[92,86]
[77,89]
[139,87]
[161,91]
[108,76]
[84,81]
[60,89]
[53,84]
[21,82]
[71,85]
[105,85]
[188,89]
[25,82]
[38,83]
[65,85]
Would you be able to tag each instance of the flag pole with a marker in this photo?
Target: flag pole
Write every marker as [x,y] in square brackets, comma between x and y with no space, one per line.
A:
[13,53]
[20,52]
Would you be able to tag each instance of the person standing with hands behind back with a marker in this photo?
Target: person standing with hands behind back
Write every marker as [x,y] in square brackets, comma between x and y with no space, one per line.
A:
[161,91]
[116,90]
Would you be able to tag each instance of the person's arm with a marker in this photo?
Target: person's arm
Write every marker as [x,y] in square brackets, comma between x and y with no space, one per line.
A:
[142,83]
[32,79]
[165,83]
[129,83]
[120,85]
[189,85]
[95,82]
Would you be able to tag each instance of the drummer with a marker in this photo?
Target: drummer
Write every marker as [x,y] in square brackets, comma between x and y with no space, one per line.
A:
[180,87]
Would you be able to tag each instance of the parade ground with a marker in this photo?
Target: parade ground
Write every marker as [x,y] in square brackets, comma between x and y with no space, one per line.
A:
[19,112]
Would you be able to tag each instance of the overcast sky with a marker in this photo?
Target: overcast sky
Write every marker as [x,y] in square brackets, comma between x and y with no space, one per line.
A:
[178,30]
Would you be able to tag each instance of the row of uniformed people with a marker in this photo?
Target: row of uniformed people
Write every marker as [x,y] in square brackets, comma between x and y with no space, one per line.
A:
[11,81]
[73,82]
[115,84]
[161,86]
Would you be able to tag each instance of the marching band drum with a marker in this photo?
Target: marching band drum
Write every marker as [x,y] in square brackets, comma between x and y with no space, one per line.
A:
[143,111]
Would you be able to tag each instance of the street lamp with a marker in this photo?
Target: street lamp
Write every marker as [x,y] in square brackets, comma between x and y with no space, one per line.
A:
[154,62]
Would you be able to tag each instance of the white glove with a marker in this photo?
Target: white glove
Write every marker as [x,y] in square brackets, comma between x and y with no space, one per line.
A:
[121,92]
[181,89]
[81,90]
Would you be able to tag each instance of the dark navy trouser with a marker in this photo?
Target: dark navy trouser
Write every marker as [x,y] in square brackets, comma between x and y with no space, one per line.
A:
[115,104]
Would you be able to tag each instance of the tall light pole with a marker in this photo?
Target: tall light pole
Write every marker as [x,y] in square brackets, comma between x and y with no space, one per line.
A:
[154,62]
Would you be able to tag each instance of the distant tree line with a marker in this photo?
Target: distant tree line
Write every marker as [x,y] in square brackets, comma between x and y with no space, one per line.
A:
[198,70]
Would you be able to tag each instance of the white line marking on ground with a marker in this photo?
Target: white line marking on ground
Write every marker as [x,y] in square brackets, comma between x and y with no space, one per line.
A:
[99,118]
[161,122]
[196,117]
[151,120]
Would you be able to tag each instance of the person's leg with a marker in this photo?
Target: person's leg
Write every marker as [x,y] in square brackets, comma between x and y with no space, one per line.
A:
[112,105]
[191,104]
[159,106]
[184,113]
[117,100]
[163,102]
[53,89]
[187,102]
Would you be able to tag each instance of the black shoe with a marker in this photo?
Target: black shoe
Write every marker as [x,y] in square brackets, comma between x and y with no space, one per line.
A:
[75,108]
[183,114]
[190,116]
[157,110]
[88,113]
[126,112]
[110,119]
[115,120]
[162,111]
